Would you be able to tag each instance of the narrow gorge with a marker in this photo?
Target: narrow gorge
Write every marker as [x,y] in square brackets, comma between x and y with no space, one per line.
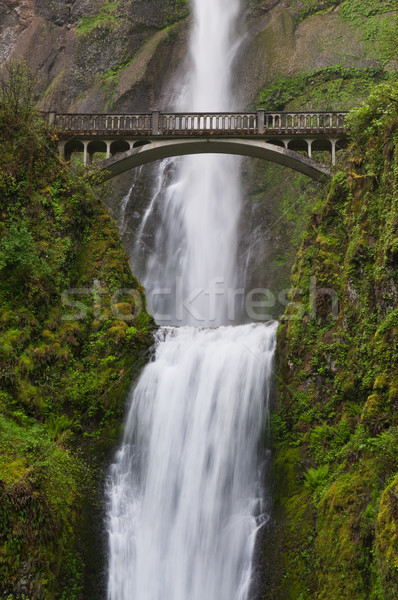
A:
[198,358]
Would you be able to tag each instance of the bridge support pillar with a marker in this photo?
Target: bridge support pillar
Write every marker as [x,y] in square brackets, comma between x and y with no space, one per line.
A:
[309,142]
[286,143]
[85,153]
[108,148]
[61,149]
[334,143]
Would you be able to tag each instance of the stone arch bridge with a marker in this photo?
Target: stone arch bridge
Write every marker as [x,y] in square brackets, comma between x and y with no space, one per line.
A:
[130,140]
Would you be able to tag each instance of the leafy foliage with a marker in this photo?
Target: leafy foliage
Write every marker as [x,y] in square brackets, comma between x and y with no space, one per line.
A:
[17,98]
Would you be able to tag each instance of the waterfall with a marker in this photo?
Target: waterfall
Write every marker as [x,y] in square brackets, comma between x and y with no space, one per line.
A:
[184,490]
[184,494]
[193,262]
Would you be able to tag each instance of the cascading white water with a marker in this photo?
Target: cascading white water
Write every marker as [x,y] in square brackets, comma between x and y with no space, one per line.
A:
[196,240]
[184,491]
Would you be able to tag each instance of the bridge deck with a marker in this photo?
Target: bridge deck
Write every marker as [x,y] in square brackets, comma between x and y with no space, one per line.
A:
[169,125]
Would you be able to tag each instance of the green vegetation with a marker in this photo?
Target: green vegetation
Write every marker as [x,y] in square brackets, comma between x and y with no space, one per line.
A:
[307,8]
[335,429]
[377,21]
[180,10]
[73,332]
[114,73]
[105,17]
[373,18]
[110,12]
[335,87]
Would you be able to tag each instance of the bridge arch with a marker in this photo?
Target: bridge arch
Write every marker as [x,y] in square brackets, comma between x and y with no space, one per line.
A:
[158,150]
[277,142]
[73,146]
[299,145]
[140,143]
[119,146]
[96,146]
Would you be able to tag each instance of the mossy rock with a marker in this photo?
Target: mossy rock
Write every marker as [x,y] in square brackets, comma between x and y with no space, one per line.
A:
[387,540]
[62,384]
[337,378]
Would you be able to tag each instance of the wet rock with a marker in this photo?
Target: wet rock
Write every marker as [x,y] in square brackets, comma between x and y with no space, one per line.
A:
[56,11]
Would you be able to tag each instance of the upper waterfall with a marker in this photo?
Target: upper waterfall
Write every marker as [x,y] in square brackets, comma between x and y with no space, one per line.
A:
[190,274]
[213,46]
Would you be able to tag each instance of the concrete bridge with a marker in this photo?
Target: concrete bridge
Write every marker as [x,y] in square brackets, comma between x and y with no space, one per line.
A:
[129,140]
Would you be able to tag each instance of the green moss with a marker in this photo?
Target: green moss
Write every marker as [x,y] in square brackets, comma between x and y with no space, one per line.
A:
[337,377]
[330,88]
[112,75]
[387,539]
[179,9]
[66,361]
[376,20]
[307,8]
[105,17]
[340,541]
[295,539]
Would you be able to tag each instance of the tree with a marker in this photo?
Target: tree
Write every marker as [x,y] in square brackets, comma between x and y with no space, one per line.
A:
[18,87]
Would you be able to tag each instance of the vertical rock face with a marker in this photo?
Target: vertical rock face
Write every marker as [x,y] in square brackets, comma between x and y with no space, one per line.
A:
[14,18]
[119,54]
[300,55]
[82,49]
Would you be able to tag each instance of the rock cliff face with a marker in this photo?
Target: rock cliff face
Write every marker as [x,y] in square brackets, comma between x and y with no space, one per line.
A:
[282,42]
[313,55]
[119,54]
[92,55]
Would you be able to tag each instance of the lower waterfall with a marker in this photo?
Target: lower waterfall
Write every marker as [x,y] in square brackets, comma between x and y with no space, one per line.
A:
[183,492]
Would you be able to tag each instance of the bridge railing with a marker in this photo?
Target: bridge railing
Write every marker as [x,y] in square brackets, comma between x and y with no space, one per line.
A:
[306,122]
[168,124]
[92,124]
[220,123]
